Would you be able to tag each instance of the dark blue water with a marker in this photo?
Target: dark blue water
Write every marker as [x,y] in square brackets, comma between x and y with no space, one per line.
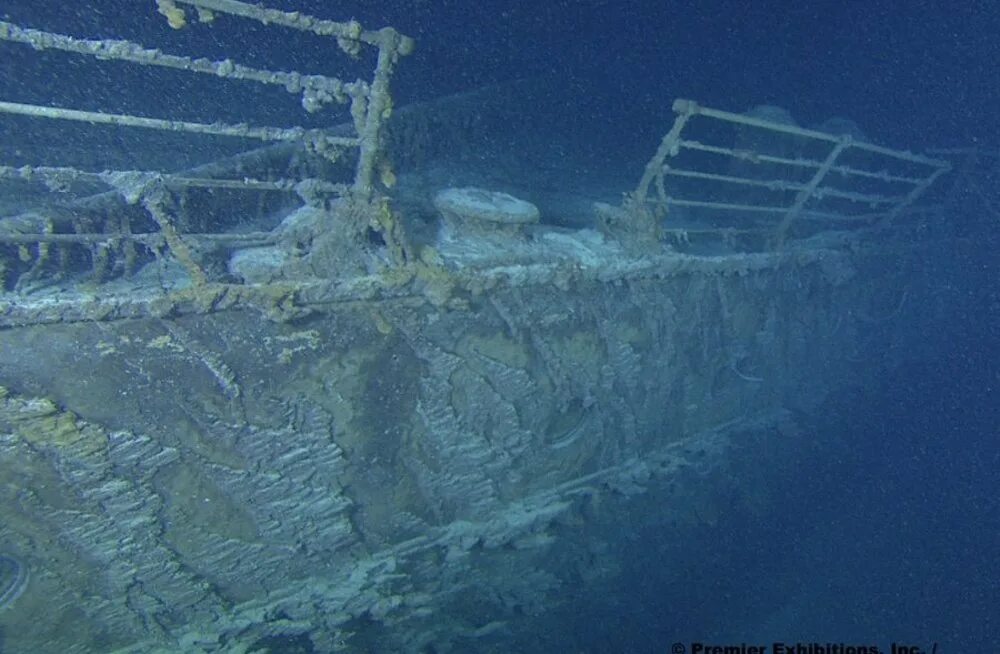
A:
[919,74]
[898,535]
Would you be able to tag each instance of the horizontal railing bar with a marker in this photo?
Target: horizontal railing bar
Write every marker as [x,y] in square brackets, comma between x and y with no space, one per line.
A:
[692,108]
[62,174]
[315,89]
[823,192]
[304,23]
[728,206]
[713,230]
[745,155]
[770,184]
[752,208]
[214,129]
[783,185]
[149,238]
[809,213]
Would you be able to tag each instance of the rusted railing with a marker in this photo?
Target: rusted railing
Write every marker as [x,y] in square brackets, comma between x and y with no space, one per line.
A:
[34,233]
[810,174]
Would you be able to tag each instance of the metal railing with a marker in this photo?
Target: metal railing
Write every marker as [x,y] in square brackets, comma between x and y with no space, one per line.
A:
[36,232]
[808,175]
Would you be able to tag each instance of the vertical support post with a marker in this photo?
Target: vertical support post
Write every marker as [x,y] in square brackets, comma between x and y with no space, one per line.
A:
[911,197]
[155,200]
[669,147]
[803,196]
[392,44]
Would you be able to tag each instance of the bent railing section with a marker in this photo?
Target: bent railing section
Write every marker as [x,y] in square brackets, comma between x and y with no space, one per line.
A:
[730,173]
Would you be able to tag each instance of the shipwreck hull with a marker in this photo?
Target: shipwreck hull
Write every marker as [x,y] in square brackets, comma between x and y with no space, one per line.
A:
[423,471]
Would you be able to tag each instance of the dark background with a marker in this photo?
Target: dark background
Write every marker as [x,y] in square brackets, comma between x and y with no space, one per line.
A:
[912,74]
